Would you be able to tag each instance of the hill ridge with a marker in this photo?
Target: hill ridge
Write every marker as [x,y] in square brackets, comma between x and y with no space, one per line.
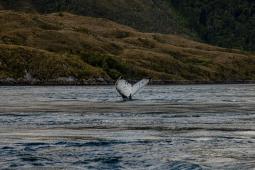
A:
[95,48]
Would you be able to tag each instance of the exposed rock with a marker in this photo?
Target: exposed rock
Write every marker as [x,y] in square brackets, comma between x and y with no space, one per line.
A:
[8,81]
[67,79]
[28,76]
[100,79]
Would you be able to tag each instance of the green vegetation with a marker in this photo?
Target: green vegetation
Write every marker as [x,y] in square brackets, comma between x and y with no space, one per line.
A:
[53,46]
[226,23]
[140,14]
[112,65]
[15,61]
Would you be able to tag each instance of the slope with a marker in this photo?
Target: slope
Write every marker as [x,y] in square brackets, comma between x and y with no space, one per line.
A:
[144,15]
[110,50]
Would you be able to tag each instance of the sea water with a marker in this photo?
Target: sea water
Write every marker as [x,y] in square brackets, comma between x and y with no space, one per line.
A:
[164,127]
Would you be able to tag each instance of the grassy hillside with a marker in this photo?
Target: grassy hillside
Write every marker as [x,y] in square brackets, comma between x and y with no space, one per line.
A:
[140,14]
[224,23]
[18,61]
[60,45]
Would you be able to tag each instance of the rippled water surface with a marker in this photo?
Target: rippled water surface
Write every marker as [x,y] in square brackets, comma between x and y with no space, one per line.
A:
[164,127]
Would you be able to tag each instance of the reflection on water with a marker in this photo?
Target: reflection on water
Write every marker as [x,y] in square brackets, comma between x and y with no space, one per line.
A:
[165,127]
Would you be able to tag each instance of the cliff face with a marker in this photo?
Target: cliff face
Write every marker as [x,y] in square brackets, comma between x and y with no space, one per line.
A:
[63,46]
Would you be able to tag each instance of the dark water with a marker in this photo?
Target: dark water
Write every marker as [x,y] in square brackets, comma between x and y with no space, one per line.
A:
[165,127]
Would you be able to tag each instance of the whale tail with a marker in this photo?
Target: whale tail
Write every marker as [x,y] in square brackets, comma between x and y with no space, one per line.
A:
[127,90]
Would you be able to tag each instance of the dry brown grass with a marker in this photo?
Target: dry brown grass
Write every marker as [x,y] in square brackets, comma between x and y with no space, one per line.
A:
[160,56]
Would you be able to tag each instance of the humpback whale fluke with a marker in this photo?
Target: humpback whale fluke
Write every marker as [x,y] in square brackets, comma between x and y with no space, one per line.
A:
[127,90]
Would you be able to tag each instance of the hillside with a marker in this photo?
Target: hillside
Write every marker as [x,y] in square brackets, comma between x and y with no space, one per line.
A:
[67,47]
[224,23]
[140,14]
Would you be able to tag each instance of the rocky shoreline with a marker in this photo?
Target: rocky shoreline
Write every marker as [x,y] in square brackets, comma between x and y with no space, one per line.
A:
[59,81]
[100,81]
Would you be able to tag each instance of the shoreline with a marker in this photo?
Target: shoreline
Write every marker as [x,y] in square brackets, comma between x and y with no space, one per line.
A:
[109,83]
